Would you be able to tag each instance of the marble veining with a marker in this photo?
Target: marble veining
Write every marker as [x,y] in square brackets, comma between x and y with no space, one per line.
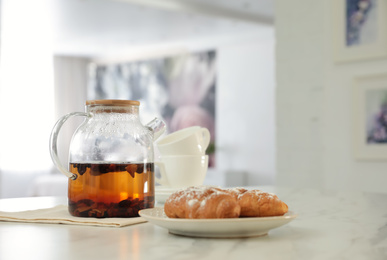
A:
[330,225]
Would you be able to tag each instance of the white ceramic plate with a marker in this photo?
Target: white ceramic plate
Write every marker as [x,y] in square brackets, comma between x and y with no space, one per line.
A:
[216,228]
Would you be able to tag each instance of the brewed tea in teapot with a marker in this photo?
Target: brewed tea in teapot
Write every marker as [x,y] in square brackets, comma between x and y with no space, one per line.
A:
[111,171]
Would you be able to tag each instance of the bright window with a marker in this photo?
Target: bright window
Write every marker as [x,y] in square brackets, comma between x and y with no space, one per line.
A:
[26,86]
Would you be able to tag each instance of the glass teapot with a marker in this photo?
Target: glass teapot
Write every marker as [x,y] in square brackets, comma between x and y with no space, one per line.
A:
[111,171]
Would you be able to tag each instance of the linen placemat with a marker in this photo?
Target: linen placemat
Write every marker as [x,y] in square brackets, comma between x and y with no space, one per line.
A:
[60,215]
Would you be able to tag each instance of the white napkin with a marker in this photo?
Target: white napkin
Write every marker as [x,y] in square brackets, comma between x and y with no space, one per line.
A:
[60,215]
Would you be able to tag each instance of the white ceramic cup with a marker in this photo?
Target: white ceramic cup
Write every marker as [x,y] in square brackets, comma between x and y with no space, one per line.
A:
[192,140]
[179,171]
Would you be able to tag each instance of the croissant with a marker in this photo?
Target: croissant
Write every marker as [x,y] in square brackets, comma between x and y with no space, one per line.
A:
[202,202]
[256,203]
[212,202]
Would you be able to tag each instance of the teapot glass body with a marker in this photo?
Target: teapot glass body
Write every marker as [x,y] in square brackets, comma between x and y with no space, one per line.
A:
[111,160]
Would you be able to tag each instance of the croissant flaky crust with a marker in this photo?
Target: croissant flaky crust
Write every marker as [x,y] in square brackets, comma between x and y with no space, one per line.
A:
[256,203]
[212,202]
[198,202]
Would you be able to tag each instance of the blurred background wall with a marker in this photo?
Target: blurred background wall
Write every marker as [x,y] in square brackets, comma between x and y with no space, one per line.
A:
[285,112]
[315,108]
[79,33]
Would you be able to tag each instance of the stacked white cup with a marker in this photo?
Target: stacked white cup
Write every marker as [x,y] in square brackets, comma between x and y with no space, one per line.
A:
[182,160]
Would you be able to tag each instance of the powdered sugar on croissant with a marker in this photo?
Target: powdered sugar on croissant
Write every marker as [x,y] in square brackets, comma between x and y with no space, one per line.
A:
[202,202]
[213,202]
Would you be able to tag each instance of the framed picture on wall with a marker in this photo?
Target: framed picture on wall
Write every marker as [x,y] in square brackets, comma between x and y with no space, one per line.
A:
[180,89]
[359,29]
[370,117]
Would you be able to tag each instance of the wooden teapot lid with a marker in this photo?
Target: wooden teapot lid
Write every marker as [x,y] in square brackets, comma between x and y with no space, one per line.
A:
[113,102]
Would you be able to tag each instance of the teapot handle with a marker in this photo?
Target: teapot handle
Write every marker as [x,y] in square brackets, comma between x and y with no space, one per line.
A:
[54,139]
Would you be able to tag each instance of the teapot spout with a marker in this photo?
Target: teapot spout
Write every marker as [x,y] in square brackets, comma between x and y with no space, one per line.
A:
[157,126]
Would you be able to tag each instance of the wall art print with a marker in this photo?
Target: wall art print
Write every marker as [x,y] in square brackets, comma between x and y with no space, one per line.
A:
[370,117]
[359,28]
[361,22]
[180,89]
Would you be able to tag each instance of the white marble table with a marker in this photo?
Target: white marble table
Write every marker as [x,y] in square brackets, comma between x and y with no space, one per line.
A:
[330,225]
